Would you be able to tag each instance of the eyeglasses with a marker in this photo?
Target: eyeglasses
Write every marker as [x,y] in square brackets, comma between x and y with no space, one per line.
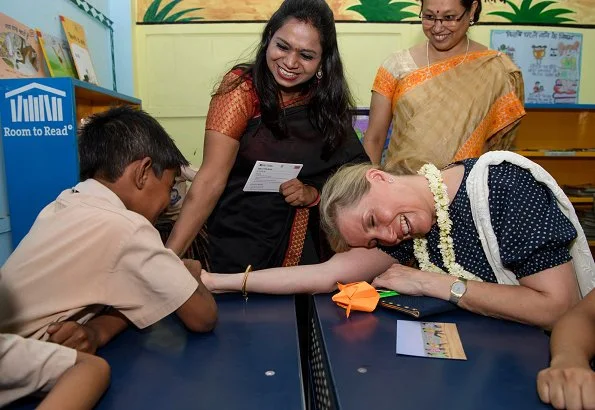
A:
[429,20]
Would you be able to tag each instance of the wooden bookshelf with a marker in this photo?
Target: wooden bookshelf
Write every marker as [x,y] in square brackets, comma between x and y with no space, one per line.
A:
[583,200]
[556,153]
[561,139]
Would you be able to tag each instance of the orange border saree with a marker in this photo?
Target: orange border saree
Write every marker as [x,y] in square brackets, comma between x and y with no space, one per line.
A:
[454,109]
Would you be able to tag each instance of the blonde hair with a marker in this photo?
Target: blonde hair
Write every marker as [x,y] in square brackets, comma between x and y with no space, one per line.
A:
[345,189]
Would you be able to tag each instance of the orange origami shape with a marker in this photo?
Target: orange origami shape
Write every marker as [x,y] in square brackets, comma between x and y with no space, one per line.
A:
[357,296]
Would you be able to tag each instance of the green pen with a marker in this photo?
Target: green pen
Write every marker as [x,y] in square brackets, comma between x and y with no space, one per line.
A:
[387,293]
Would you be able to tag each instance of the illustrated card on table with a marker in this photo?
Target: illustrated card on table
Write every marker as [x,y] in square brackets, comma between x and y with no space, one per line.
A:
[429,339]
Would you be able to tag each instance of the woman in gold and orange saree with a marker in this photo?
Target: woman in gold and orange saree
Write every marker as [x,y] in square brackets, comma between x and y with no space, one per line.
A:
[449,98]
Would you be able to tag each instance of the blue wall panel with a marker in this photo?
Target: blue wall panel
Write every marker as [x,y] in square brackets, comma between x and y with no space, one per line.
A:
[38,123]
[44,15]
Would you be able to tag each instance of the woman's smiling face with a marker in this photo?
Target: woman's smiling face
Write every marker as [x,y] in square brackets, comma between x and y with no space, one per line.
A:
[294,54]
[451,24]
[389,213]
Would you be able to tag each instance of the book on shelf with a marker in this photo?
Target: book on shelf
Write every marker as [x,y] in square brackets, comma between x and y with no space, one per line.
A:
[579,190]
[20,54]
[75,34]
[57,55]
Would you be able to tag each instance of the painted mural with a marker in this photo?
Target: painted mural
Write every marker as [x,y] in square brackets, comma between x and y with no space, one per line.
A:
[518,12]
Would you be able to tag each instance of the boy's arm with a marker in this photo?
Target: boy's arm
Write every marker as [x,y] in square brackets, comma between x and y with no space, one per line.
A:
[90,336]
[199,312]
[573,337]
[569,382]
[150,282]
[81,386]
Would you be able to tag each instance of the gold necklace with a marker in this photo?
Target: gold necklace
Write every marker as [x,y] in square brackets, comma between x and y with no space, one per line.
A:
[428,54]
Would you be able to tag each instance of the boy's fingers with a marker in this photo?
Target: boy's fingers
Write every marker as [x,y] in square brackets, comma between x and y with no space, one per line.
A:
[192,265]
[64,331]
[71,342]
[80,343]
[54,327]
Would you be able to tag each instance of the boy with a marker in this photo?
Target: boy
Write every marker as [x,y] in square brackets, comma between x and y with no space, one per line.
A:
[92,260]
[75,380]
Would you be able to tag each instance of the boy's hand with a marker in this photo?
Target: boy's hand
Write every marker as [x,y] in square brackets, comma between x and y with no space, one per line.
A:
[199,312]
[72,334]
[571,387]
[193,266]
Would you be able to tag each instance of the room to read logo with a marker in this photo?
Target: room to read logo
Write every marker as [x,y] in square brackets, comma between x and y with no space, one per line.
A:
[42,107]
[35,110]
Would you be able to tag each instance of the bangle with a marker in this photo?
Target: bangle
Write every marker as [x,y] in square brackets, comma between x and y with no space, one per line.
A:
[316,201]
[246,273]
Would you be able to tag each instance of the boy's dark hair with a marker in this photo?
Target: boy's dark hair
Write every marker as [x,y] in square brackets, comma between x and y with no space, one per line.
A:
[111,140]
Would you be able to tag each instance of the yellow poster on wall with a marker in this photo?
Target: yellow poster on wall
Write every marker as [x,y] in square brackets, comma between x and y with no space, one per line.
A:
[517,12]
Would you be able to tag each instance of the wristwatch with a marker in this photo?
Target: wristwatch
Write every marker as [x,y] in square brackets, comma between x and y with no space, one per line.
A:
[457,290]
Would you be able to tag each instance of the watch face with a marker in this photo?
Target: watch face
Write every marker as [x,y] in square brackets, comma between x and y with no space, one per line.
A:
[458,288]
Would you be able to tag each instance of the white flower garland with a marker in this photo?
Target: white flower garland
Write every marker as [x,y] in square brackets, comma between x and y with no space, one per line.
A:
[420,246]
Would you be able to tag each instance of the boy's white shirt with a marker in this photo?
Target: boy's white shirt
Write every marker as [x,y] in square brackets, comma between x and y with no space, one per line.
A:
[29,365]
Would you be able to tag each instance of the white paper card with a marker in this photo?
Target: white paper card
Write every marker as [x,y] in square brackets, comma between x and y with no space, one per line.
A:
[267,176]
[429,339]
[409,338]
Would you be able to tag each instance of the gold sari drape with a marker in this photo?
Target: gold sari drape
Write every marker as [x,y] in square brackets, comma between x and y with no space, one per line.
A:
[456,109]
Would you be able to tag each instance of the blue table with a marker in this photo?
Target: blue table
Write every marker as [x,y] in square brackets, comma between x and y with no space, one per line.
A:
[166,367]
[356,367]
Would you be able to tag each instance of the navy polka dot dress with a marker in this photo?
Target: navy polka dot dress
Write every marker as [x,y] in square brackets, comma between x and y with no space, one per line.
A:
[533,234]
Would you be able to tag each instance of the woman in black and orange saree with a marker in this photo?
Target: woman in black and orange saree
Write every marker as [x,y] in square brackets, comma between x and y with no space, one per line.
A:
[291,105]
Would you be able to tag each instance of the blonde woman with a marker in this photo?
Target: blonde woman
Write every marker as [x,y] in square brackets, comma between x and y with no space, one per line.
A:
[530,238]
